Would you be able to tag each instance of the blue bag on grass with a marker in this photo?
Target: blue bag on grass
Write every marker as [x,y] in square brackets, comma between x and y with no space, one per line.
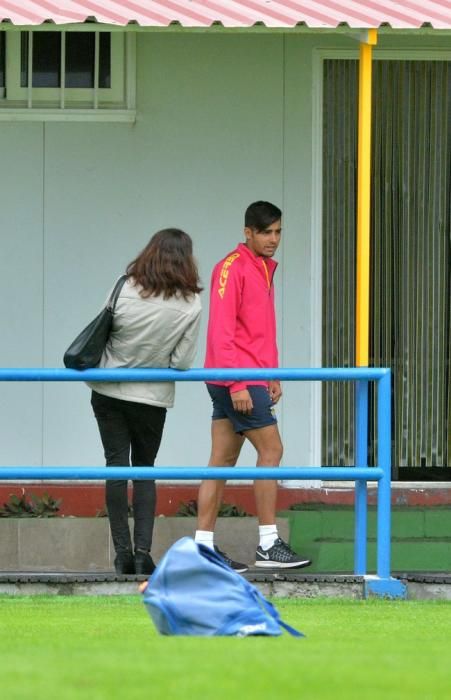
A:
[194,592]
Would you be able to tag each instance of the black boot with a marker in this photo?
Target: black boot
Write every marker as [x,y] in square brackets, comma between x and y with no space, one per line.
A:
[144,563]
[117,509]
[124,562]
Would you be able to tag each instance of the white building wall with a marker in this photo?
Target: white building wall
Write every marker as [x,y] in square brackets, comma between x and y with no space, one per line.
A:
[222,120]
[21,289]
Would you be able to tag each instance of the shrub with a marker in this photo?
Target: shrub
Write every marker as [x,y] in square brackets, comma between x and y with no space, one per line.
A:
[34,507]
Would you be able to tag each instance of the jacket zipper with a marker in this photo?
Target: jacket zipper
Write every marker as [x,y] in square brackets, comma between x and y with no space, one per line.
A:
[267,275]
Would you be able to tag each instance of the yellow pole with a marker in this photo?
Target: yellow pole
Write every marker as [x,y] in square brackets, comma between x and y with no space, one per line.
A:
[362,332]
[363,201]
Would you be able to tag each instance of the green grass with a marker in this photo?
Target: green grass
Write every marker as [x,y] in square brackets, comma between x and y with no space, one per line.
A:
[106,648]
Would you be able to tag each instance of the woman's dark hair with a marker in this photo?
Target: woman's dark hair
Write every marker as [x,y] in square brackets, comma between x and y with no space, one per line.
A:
[166,266]
[260,215]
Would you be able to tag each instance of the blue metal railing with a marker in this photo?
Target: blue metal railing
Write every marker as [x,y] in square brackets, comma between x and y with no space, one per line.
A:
[360,473]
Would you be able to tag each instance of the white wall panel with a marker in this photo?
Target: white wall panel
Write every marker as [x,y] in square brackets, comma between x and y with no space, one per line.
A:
[21,289]
[207,142]
[90,235]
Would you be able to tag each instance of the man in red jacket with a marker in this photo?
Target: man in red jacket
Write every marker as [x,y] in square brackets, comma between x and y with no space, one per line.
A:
[242,334]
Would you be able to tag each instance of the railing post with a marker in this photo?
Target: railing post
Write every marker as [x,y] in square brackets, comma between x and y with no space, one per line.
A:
[384,486]
[383,585]
[361,490]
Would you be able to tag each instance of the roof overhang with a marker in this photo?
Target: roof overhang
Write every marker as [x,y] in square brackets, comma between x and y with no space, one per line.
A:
[297,16]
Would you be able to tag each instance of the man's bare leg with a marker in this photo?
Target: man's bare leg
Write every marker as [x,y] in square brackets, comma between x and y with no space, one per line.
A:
[269,448]
[225,450]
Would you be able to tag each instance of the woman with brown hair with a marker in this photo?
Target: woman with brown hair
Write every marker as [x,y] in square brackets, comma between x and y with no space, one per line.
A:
[156,324]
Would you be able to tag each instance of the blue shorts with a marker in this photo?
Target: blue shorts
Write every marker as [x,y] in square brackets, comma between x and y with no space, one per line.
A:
[262,412]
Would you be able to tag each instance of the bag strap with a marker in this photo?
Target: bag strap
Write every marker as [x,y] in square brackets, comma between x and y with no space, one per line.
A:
[274,613]
[291,630]
[111,304]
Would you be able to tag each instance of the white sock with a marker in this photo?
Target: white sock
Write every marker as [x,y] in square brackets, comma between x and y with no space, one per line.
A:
[268,535]
[205,537]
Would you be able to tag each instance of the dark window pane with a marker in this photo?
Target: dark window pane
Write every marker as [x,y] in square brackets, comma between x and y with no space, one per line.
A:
[105,60]
[2,59]
[80,59]
[46,59]
[24,59]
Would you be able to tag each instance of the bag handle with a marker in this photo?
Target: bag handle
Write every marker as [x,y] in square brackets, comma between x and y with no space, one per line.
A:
[111,303]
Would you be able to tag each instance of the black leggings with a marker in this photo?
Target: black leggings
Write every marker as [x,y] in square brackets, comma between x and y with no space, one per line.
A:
[128,428]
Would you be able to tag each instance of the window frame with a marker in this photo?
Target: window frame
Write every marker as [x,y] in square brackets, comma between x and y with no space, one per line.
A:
[116,103]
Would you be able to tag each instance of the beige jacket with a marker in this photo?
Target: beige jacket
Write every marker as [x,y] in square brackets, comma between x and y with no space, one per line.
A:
[150,332]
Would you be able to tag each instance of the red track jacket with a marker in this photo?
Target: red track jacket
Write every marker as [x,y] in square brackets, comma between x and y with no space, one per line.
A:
[242,323]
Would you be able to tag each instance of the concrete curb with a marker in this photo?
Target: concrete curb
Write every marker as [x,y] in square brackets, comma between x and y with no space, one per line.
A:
[84,544]
[272,585]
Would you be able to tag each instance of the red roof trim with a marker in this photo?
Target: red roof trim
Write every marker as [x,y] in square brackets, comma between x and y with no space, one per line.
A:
[283,14]
[18,10]
[99,8]
[56,10]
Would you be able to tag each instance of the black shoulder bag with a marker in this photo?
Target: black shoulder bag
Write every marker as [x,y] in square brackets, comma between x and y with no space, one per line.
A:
[87,348]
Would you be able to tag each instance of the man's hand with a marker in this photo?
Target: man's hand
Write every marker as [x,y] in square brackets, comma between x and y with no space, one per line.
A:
[275,390]
[242,402]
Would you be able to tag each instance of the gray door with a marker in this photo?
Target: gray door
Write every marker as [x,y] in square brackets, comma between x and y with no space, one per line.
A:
[410,273]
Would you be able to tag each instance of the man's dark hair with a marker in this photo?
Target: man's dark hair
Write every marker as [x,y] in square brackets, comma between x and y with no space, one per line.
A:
[260,215]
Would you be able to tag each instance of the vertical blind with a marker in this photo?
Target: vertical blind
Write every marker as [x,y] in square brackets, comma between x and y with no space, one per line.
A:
[410,254]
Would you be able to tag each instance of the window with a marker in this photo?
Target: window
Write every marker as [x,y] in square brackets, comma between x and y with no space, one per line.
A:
[70,73]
